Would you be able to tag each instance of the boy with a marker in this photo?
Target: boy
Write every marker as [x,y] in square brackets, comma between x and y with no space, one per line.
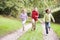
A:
[47,17]
[23,17]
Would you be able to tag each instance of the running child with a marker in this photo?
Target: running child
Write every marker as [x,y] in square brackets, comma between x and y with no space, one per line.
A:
[34,17]
[23,17]
[47,17]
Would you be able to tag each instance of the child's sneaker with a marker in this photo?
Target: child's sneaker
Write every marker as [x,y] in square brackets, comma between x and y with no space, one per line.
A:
[49,28]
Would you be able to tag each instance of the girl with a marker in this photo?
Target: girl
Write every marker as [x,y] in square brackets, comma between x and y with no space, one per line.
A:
[23,17]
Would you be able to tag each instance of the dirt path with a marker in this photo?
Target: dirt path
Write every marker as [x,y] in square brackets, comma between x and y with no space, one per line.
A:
[17,34]
[50,36]
[20,32]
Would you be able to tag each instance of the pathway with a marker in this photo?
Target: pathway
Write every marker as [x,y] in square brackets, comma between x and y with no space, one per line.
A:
[50,36]
[17,34]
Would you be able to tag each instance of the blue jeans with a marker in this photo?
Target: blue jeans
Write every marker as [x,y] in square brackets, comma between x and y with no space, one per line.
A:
[47,25]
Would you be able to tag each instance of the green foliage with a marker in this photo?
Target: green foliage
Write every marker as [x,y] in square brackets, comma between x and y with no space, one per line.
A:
[57,16]
[29,14]
[33,35]
[56,28]
[8,25]
[41,15]
[13,7]
[7,6]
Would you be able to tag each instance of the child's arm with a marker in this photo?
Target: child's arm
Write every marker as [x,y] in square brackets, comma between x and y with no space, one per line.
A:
[44,18]
[53,18]
[26,16]
[40,20]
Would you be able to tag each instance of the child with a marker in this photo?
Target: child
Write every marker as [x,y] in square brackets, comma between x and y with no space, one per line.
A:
[23,17]
[47,17]
[34,18]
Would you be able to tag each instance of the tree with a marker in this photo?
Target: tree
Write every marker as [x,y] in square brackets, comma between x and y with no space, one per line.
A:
[16,5]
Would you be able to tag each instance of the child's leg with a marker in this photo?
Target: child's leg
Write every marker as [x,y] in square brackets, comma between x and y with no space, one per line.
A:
[49,26]
[46,27]
[23,23]
[33,24]
[23,27]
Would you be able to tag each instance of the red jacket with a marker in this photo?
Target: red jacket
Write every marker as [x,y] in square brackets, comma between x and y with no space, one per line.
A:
[34,15]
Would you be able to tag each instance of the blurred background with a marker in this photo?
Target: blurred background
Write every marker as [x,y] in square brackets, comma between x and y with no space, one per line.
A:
[10,11]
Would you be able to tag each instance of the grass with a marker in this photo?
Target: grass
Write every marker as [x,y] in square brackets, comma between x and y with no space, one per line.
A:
[56,28]
[8,25]
[33,35]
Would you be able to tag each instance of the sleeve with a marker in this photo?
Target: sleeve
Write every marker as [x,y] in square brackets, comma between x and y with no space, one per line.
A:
[38,14]
[52,18]
[44,17]
[26,16]
[20,16]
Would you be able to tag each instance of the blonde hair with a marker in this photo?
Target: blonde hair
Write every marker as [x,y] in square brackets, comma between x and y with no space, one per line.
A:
[35,8]
[23,10]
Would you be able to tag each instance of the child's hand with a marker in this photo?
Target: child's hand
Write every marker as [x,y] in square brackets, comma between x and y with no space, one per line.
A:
[42,22]
[54,21]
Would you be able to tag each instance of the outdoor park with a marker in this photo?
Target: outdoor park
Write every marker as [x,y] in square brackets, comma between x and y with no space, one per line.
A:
[15,25]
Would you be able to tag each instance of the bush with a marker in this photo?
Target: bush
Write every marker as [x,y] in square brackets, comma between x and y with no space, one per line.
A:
[57,16]
[41,16]
[1,11]
[7,11]
[29,14]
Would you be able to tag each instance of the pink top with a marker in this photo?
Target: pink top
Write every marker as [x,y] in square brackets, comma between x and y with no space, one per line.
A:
[23,16]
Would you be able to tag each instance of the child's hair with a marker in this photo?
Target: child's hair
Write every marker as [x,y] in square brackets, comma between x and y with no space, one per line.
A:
[35,8]
[46,10]
[23,10]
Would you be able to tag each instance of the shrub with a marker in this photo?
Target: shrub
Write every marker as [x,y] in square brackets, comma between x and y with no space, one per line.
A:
[41,16]
[29,14]
[57,16]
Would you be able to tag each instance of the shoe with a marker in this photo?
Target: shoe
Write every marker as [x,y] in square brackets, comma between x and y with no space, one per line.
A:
[49,28]
[46,35]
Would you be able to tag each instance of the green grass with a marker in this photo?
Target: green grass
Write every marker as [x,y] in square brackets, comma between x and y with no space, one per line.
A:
[33,35]
[8,25]
[56,28]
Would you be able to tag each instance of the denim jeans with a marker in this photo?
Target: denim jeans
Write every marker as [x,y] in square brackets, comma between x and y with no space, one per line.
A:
[47,25]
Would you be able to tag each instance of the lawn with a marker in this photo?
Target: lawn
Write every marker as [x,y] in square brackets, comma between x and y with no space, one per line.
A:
[8,25]
[33,35]
[56,28]
[37,34]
